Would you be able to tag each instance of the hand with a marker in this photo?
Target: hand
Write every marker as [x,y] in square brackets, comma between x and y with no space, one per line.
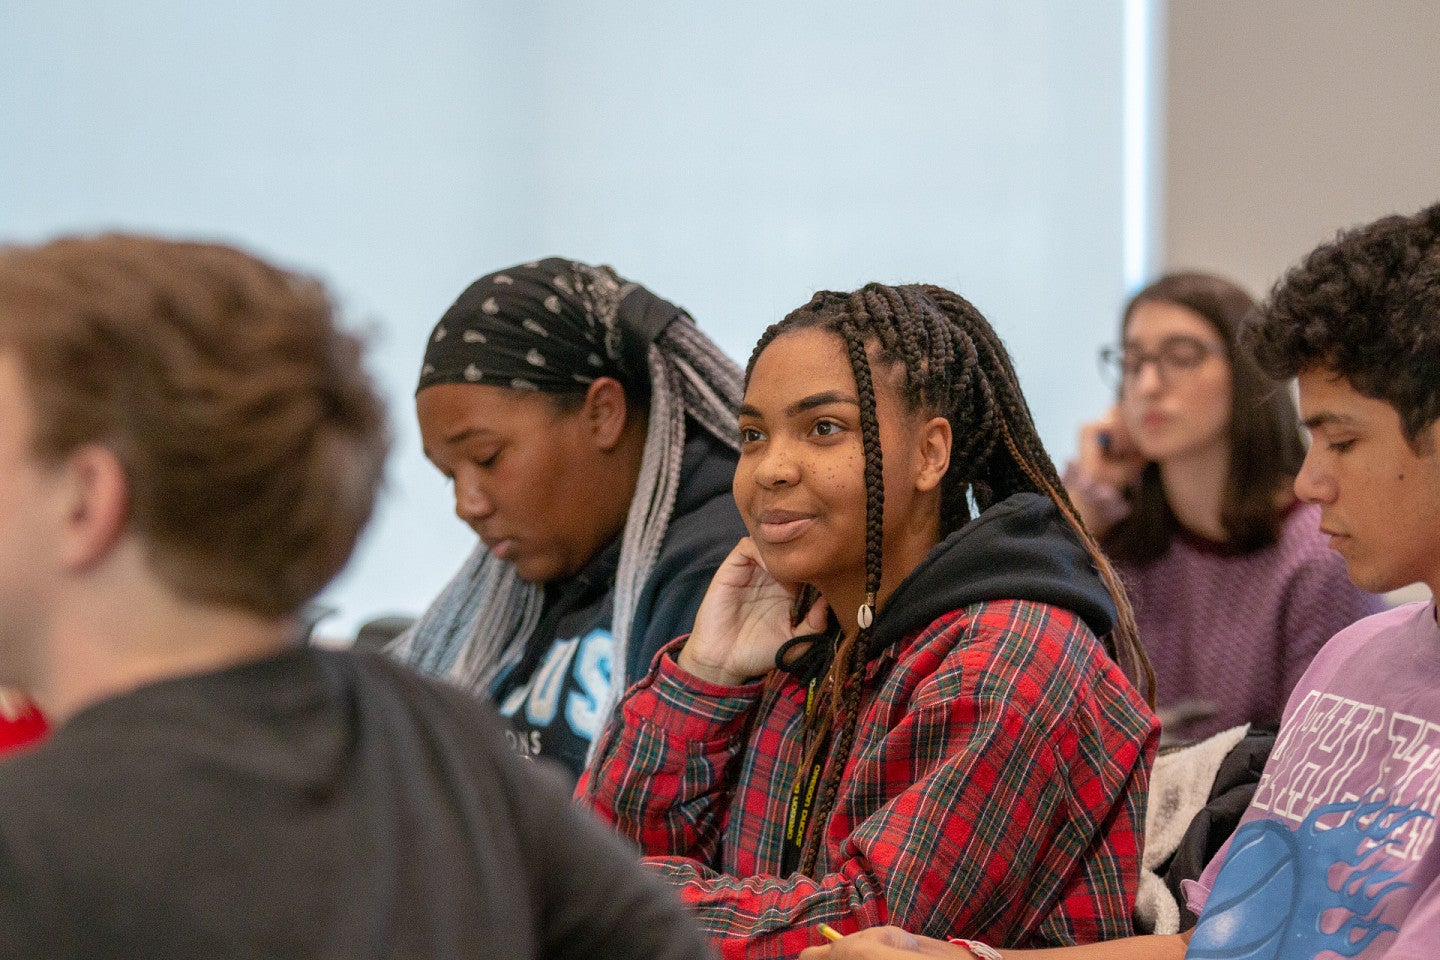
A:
[1108,454]
[743,621]
[885,943]
[1109,464]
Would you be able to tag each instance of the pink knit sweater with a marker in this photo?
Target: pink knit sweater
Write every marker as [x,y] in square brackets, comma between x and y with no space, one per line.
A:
[1238,630]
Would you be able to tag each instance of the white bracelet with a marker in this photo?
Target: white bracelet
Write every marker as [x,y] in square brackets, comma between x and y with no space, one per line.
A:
[981,950]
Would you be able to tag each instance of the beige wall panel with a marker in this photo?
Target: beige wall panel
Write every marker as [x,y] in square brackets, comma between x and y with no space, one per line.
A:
[1286,120]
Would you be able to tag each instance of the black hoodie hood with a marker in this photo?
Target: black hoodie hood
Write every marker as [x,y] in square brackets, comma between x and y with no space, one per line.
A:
[1020,549]
[707,469]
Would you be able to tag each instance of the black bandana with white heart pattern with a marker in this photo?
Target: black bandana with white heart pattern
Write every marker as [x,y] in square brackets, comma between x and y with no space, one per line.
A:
[552,325]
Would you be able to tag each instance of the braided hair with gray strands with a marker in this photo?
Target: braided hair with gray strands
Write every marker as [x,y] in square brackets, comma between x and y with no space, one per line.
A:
[951,362]
[553,326]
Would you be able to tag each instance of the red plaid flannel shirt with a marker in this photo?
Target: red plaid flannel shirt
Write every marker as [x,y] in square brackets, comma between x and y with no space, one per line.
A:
[996,790]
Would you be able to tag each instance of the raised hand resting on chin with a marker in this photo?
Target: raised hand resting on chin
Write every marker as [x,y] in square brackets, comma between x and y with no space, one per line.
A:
[744,620]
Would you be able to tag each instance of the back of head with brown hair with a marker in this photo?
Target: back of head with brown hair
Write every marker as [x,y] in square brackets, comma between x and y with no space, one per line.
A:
[251,437]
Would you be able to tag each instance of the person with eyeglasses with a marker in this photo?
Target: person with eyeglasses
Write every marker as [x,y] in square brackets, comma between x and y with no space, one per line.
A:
[1187,482]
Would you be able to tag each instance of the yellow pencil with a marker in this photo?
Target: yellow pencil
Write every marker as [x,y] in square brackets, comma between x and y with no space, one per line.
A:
[830,932]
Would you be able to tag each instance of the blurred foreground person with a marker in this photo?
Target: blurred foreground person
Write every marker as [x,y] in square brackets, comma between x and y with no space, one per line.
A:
[188,451]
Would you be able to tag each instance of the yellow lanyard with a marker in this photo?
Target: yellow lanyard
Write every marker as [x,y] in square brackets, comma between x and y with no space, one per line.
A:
[802,794]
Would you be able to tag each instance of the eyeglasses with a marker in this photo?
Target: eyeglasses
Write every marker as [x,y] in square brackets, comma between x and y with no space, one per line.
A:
[1177,357]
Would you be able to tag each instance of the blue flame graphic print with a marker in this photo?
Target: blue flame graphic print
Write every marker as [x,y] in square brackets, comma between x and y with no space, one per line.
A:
[1275,900]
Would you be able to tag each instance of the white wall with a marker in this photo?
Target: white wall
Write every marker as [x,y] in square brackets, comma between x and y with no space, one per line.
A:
[733,157]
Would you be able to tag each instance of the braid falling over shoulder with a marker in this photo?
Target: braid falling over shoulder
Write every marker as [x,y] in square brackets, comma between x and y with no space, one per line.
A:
[845,676]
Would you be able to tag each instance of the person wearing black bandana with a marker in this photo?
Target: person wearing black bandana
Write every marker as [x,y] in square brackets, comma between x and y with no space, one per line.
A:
[589,430]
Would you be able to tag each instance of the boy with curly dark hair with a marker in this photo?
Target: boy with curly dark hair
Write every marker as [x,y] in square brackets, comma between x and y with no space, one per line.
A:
[1366,307]
[1336,855]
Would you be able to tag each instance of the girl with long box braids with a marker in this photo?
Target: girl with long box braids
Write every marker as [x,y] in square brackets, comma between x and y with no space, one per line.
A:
[910,695]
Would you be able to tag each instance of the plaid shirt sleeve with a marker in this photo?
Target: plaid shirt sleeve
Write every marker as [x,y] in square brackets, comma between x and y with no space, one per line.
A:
[995,791]
[660,772]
